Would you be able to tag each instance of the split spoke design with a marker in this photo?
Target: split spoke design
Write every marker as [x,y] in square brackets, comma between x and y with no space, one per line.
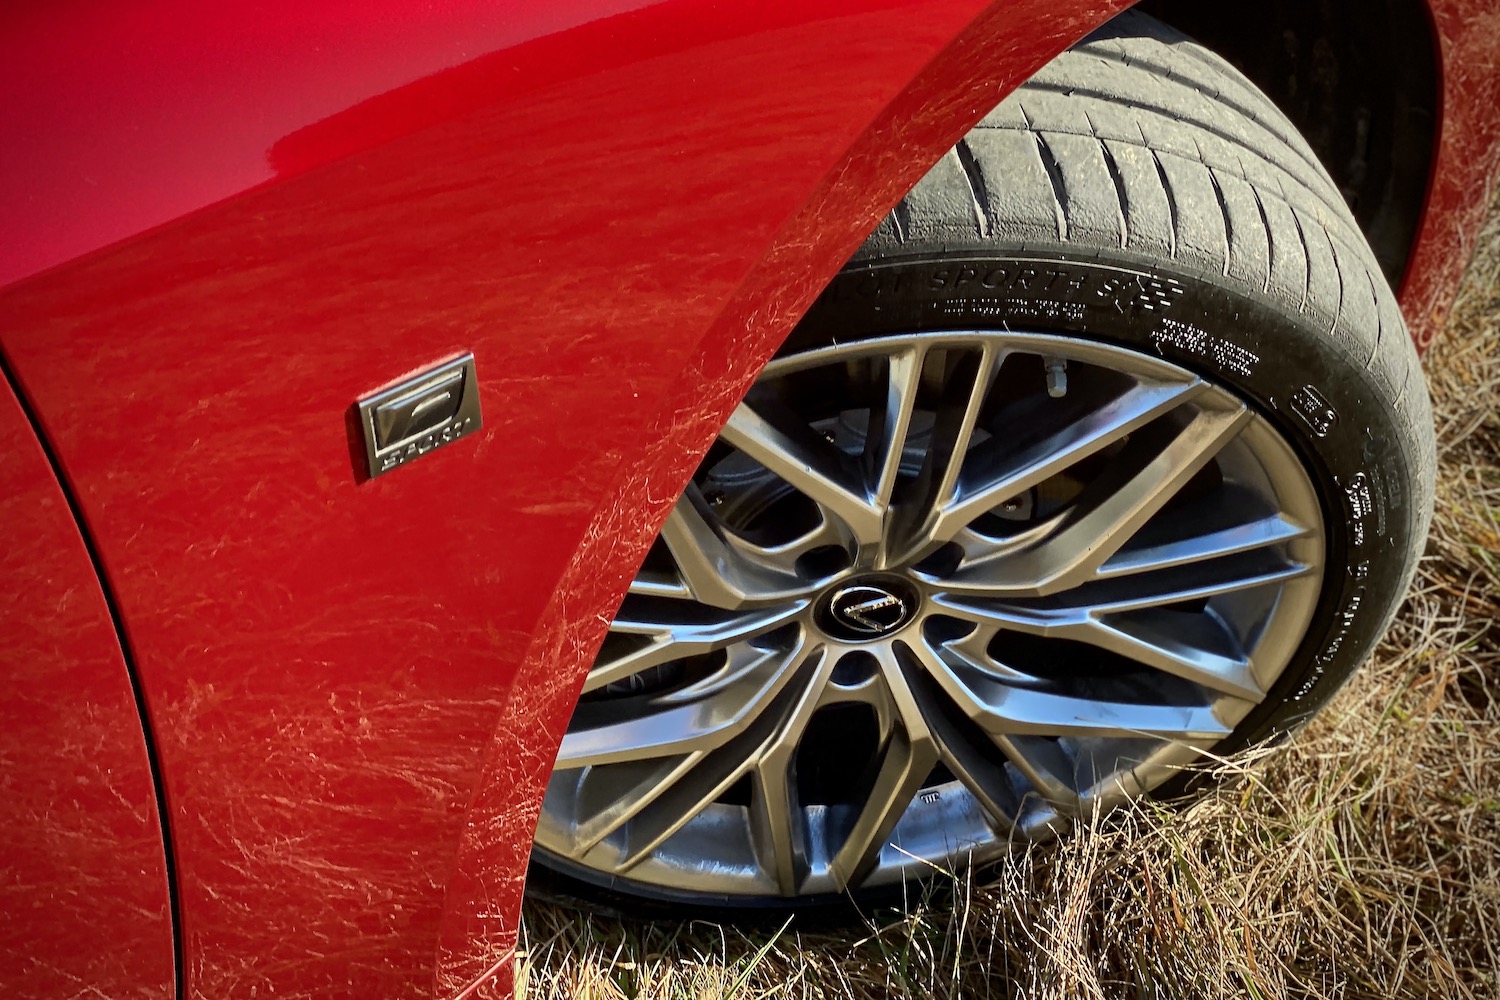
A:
[712,568]
[1011,710]
[912,607]
[664,726]
[1087,535]
[999,472]
[811,465]
[906,759]
[828,532]
[666,642]
[779,826]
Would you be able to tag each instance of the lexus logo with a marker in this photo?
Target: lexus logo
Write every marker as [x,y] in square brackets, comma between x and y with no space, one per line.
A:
[867,610]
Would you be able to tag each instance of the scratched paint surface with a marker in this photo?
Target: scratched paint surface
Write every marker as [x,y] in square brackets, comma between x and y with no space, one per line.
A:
[83,885]
[359,685]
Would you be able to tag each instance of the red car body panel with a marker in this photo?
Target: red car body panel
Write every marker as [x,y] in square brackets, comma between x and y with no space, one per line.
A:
[232,222]
[84,894]
[1466,161]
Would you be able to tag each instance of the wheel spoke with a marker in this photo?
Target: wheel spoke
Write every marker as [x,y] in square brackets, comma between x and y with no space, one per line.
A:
[959,753]
[1175,584]
[634,787]
[1134,617]
[1232,522]
[1194,647]
[885,444]
[809,464]
[1003,709]
[829,532]
[907,757]
[693,791]
[713,572]
[1046,766]
[659,585]
[1214,661]
[965,387]
[666,727]
[778,823]
[1240,534]
[999,473]
[1040,760]
[674,641]
[696,787]
[1096,529]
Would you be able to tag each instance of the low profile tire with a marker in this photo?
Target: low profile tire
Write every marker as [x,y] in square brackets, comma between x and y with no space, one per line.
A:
[1108,448]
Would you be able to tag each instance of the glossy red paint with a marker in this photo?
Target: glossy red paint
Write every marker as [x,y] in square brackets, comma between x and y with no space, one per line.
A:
[1466,166]
[83,887]
[621,221]
[358,686]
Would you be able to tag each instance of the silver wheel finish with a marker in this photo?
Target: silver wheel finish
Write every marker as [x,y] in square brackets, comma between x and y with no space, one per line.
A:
[913,608]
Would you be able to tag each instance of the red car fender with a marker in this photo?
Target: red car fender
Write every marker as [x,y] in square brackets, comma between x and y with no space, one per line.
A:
[234,222]
[1466,163]
[620,220]
[80,837]
[933,111]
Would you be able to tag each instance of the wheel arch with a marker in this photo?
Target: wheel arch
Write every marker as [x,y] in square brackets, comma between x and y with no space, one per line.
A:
[884,161]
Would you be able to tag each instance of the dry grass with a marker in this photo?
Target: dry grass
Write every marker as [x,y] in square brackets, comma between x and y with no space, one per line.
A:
[1364,861]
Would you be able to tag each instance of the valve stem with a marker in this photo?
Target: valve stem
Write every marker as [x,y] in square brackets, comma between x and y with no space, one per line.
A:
[1057,377]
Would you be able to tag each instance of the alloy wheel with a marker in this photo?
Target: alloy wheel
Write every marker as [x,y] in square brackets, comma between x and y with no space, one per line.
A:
[928,596]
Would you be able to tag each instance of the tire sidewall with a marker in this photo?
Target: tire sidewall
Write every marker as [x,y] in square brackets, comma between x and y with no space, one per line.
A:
[1345,429]
[1357,450]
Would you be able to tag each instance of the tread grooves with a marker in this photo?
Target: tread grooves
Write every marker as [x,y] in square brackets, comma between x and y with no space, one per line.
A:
[1265,222]
[1306,258]
[977,190]
[1211,128]
[901,220]
[1255,115]
[1400,393]
[1059,189]
[1166,186]
[1352,231]
[1117,180]
[1379,321]
[1224,211]
[1338,271]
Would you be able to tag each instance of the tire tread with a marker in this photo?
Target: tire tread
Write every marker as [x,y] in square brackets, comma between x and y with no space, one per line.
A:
[1140,139]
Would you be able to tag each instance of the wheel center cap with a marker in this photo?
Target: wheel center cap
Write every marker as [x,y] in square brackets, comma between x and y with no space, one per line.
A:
[867,609]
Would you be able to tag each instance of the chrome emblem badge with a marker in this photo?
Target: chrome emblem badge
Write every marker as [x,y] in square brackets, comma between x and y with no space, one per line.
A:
[867,610]
[419,414]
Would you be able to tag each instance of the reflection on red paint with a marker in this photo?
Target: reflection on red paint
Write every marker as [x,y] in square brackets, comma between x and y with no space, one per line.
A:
[358,687]
[83,884]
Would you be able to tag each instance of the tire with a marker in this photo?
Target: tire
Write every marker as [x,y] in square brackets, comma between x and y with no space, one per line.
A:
[1137,209]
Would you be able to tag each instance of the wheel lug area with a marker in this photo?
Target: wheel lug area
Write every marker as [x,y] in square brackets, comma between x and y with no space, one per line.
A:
[822,562]
[854,668]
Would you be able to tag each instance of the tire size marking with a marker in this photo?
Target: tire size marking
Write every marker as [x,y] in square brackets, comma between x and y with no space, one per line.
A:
[1361,504]
[970,285]
[1014,309]
[1344,621]
[1188,339]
